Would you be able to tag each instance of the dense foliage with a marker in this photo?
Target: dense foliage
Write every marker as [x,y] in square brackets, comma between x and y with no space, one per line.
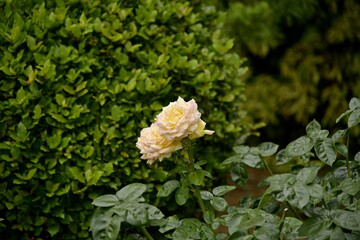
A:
[319,198]
[303,56]
[78,81]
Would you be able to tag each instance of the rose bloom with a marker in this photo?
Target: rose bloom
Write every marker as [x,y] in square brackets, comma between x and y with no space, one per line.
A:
[153,146]
[179,119]
[200,131]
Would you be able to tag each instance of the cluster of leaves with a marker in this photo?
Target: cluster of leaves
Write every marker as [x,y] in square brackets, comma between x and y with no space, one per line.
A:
[303,57]
[79,80]
[323,195]
[320,200]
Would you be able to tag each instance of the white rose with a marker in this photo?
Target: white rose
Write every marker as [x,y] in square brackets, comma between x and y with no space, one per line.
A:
[153,146]
[179,119]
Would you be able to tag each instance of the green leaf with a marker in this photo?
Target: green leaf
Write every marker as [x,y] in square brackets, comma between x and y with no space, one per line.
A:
[354,103]
[116,113]
[21,96]
[219,203]
[105,225]
[267,148]
[21,132]
[136,214]
[241,149]
[307,175]
[61,100]
[167,188]
[77,174]
[313,128]
[153,212]
[302,195]
[53,141]
[182,195]
[206,195]
[222,190]
[131,191]
[233,159]
[357,157]
[107,200]
[209,216]
[313,226]
[192,228]
[239,174]
[346,219]
[316,191]
[196,177]
[299,147]
[354,118]
[30,174]
[326,151]
[253,160]
[339,135]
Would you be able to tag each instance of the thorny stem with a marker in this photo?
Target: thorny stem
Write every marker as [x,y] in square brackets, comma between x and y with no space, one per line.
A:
[188,148]
[146,233]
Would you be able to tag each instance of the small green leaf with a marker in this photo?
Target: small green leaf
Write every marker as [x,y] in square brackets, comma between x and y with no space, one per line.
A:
[182,195]
[21,96]
[105,224]
[219,203]
[307,175]
[339,135]
[253,160]
[21,132]
[326,151]
[209,216]
[30,174]
[354,103]
[131,191]
[302,195]
[116,113]
[313,226]
[237,158]
[241,149]
[357,157]
[346,219]
[222,190]
[107,200]
[37,112]
[299,147]
[77,174]
[282,158]
[167,188]
[61,100]
[354,118]
[206,195]
[313,128]
[196,177]
[267,148]
[239,174]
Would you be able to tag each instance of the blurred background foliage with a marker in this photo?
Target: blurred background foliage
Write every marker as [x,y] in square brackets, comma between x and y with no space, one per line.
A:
[304,60]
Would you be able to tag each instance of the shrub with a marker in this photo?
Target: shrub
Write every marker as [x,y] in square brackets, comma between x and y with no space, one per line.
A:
[79,79]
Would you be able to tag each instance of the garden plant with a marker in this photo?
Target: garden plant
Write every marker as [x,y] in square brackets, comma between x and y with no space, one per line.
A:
[319,198]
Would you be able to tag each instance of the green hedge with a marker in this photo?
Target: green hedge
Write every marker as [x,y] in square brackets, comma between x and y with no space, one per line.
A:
[78,81]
